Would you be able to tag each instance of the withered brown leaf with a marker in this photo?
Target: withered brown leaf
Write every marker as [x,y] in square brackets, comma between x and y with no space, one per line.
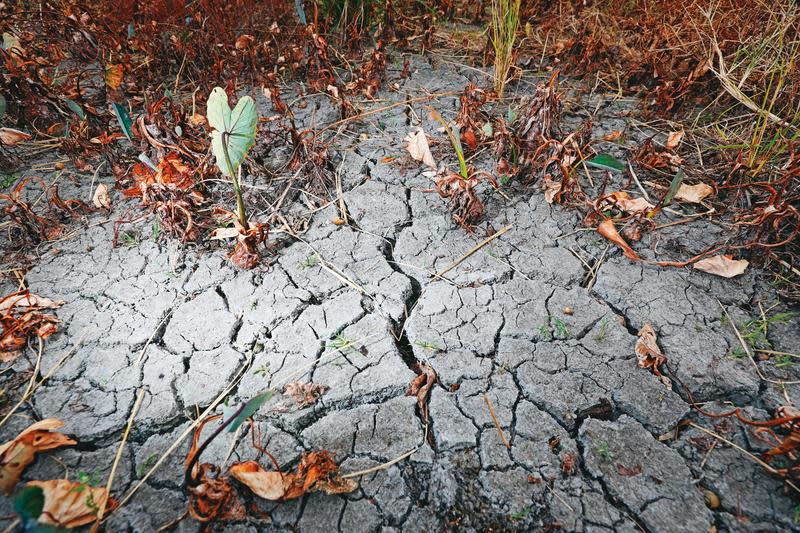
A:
[17,454]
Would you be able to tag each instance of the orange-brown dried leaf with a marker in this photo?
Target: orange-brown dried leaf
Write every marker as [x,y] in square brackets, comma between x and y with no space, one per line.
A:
[304,394]
[648,355]
[17,454]
[316,472]
[113,75]
[21,317]
[171,171]
[421,388]
[69,504]
[609,231]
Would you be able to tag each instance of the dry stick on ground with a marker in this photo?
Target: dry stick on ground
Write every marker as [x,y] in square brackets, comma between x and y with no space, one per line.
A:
[746,349]
[496,422]
[471,252]
[117,458]
[762,463]
[32,389]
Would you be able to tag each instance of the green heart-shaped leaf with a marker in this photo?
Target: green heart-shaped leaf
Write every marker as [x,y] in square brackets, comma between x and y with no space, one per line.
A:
[606,162]
[234,130]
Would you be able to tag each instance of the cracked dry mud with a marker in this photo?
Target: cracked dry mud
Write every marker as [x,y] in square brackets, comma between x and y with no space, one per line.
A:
[182,323]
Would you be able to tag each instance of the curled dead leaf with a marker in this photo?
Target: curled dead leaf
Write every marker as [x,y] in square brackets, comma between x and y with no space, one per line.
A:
[267,485]
[421,388]
[101,197]
[613,136]
[113,76]
[20,317]
[11,137]
[674,139]
[722,265]
[17,454]
[694,194]
[304,394]
[648,355]
[69,504]
[417,146]
[623,201]
[609,231]
[316,472]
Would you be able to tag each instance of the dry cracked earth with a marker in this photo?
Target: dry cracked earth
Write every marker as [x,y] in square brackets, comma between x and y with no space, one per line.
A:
[541,322]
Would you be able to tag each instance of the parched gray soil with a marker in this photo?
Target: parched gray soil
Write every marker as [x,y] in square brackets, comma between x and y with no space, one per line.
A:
[541,322]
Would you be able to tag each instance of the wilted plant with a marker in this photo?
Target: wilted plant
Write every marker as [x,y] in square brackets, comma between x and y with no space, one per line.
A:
[459,189]
[503,28]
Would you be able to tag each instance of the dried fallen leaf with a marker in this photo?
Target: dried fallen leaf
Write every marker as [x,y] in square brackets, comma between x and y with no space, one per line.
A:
[101,197]
[613,136]
[268,485]
[648,355]
[70,504]
[417,146]
[674,139]
[316,472]
[623,201]
[20,452]
[219,234]
[694,194]
[609,231]
[113,76]
[304,394]
[21,317]
[25,299]
[722,265]
[421,387]
[629,472]
[10,137]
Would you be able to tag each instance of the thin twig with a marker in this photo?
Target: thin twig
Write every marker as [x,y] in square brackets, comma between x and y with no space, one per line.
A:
[472,251]
[496,422]
[117,459]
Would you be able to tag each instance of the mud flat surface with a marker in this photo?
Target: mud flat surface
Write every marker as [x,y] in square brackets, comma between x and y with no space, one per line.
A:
[540,324]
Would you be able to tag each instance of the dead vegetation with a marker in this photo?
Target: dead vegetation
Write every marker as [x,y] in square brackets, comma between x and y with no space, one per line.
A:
[130,87]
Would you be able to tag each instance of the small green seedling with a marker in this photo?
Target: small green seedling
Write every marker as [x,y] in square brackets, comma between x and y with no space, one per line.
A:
[561,329]
[454,140]
[604,451]
[544,332]
[149,461]
[522,514]
[262,370]
[429,346]
[309,262]
[234,133]
[602,331]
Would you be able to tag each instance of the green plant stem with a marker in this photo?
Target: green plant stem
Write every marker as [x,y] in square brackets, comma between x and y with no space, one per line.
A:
[236,189]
